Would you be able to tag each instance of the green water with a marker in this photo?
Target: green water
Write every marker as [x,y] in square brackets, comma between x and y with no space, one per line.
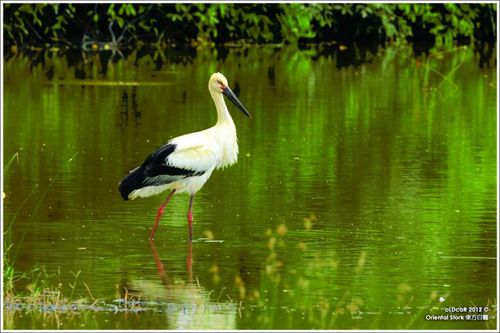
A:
[362,195]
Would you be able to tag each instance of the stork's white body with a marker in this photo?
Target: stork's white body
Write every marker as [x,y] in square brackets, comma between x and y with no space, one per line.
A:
[207,150]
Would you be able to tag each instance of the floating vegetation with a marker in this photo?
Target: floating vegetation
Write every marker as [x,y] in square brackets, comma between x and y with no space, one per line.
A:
[120,305]
[110,83]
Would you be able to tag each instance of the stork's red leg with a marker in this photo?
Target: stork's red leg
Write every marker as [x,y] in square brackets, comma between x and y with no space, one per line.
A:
[159,214]
[190,216]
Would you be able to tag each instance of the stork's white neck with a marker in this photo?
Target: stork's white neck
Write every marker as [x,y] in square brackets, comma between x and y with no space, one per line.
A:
[223,116]
[224,132]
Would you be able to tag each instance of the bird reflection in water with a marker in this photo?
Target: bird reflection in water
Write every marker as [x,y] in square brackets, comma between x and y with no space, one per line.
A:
[186,303]
[161,269]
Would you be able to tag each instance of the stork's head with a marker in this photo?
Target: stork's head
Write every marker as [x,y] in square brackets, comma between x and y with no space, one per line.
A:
[218,84]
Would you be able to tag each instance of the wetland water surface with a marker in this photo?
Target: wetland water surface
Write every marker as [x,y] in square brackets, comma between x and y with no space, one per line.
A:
[364,196]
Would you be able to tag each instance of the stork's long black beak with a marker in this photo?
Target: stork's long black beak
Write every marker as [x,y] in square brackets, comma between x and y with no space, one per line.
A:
[232,97]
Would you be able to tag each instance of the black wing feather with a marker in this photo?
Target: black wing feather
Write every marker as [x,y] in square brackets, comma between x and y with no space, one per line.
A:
[155,171]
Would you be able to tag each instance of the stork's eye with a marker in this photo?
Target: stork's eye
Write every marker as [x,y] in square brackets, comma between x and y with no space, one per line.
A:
[221,85]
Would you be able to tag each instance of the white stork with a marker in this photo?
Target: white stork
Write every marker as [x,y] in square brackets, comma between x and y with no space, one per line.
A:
[186,162]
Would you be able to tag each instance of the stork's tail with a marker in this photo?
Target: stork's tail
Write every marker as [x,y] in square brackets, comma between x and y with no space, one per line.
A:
[133,181]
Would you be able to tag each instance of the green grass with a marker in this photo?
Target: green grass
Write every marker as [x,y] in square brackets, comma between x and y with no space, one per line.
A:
[38,291]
